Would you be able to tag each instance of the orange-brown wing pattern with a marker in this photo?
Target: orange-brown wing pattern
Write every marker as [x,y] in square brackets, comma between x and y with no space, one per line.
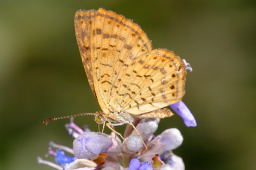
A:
[108,43]
[155,80]
[160,113]
[83,36]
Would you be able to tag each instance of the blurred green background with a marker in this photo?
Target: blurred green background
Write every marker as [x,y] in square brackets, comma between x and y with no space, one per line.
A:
[41,75]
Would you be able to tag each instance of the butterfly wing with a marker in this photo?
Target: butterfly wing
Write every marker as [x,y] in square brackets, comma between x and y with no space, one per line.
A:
[155,80]
[108,44]
[83,29]
[160,113]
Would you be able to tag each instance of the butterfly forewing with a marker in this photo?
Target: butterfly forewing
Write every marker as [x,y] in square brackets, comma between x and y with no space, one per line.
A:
[114,42]
[83,28]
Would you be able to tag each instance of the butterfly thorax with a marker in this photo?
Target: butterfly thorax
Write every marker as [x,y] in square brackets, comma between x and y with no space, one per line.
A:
[113,118]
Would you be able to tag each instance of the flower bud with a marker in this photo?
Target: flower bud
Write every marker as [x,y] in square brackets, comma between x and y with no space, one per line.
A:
[170,139]
[182,110]
[133,143]
[147,127]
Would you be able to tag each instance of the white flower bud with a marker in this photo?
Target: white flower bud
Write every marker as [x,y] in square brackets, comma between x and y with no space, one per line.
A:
[147,128]
[133,144]
[171,139]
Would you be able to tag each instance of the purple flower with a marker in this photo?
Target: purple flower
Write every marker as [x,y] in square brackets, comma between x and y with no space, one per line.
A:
[135,164]
[182,110]
[140,150]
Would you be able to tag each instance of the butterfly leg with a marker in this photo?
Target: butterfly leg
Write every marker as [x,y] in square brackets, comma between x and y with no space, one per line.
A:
[103,127]
[108,124]
[138,133]
[131,124]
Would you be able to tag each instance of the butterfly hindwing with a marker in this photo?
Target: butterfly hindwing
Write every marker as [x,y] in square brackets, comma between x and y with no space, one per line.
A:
[154,81]
[160,113]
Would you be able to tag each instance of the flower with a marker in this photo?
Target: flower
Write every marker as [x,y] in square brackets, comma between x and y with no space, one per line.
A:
[183,111]
[140,150]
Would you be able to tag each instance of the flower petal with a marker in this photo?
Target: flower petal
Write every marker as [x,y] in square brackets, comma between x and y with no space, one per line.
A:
[112,165]
[62,159]
[176,163]
[145,166]
[168,140]
[173,162]
[81,164]
[48,163]
[90,144]
[134,164]
[182,110]
[166,167]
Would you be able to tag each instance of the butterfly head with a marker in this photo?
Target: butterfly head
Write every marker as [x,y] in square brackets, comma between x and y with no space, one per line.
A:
[99,118]
[113,118]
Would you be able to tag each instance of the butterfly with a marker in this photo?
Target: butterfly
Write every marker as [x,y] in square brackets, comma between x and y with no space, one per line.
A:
[129,78]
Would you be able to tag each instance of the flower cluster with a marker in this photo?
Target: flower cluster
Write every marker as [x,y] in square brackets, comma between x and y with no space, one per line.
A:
[140,149]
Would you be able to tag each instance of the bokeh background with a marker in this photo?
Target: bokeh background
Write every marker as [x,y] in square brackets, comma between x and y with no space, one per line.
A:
[41,75]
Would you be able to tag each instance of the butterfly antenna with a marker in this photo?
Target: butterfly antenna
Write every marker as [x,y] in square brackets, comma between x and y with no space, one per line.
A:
[46,121]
